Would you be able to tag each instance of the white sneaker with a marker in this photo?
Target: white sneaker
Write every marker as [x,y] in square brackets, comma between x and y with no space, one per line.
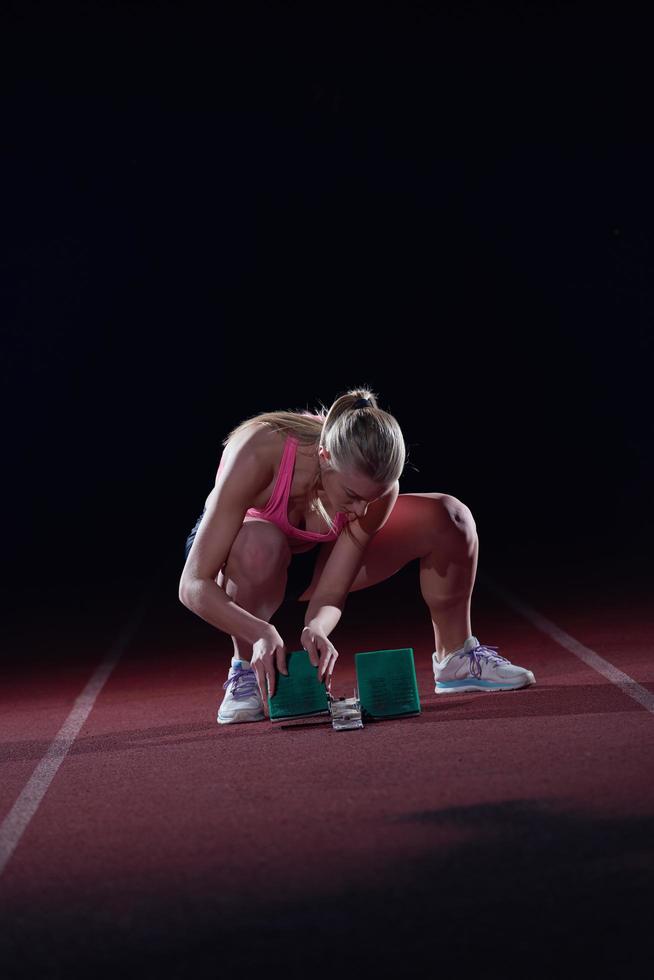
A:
[478,668]
[243,701]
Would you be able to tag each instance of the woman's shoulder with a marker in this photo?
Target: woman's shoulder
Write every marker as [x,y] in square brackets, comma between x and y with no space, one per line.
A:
[260,438]
[261,445]
[266,443]
[249,448]
[256,439]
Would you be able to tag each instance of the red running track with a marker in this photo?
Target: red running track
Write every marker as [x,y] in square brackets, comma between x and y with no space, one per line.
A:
[511,832]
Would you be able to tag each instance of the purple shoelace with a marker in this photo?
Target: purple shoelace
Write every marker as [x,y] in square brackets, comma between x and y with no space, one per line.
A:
[244,683]
[482,652]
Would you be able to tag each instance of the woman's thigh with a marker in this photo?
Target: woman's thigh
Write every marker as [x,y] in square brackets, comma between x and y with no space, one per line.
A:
[262,542]
[416,525]
[260,547]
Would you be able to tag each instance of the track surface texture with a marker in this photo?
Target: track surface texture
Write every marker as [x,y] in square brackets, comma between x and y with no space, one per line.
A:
[511,832]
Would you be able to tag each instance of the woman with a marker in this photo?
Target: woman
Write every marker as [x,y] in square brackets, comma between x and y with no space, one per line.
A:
[328,484]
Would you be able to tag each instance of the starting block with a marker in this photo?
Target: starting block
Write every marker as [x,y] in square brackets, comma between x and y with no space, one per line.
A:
[300,694]
[386,688]
[386,683]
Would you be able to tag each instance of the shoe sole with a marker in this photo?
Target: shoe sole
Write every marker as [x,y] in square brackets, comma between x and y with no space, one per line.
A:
[240,718]
[457,687]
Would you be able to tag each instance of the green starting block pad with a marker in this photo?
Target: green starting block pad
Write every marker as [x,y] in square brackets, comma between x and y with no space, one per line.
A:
[301,693]
[387,685]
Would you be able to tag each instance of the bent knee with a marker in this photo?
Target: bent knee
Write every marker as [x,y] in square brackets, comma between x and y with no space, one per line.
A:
[460,517]
[260,551]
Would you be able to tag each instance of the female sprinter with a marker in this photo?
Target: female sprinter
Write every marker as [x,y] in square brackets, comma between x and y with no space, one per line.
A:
[292,482]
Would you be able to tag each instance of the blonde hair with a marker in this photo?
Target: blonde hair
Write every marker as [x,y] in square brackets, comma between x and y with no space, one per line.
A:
[364,440]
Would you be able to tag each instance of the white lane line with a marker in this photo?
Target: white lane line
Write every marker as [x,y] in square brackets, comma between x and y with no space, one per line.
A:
[17,820]
[627,684]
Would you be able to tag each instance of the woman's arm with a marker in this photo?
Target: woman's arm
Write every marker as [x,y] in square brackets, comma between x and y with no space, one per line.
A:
[343,565]
[340,571]
[245,473]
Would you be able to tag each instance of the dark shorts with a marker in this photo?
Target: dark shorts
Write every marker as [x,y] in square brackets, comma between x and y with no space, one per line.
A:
[300,571]
[191,537]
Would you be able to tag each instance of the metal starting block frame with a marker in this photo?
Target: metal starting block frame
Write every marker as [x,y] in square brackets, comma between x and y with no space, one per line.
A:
[345,712]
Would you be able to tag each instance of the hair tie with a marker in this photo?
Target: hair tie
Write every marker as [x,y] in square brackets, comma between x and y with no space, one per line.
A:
[362,403]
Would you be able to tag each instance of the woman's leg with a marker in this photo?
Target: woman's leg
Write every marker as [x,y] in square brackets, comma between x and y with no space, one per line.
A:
[255,573]
[440,531]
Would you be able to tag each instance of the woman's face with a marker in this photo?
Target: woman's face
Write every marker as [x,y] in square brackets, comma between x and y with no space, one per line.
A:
[348,491]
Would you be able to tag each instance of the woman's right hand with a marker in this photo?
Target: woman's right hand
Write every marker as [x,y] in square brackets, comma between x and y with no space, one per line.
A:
[268,653]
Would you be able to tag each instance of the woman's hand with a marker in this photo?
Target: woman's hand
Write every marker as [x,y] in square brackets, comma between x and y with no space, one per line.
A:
[268,653]
[322,652]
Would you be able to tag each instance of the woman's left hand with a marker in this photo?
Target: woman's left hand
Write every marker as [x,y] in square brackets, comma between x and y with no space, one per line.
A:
[322,652]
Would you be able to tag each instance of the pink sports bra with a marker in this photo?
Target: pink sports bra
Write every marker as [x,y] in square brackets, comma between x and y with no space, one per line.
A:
[276,510]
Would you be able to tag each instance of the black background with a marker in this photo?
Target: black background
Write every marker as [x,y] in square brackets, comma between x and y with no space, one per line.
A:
[210,213]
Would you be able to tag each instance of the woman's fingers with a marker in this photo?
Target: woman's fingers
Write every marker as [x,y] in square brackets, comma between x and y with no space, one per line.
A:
[261,677]
[330,671]
[322,654]
[326,668]
[270,673]
[309,644]
[281,661]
